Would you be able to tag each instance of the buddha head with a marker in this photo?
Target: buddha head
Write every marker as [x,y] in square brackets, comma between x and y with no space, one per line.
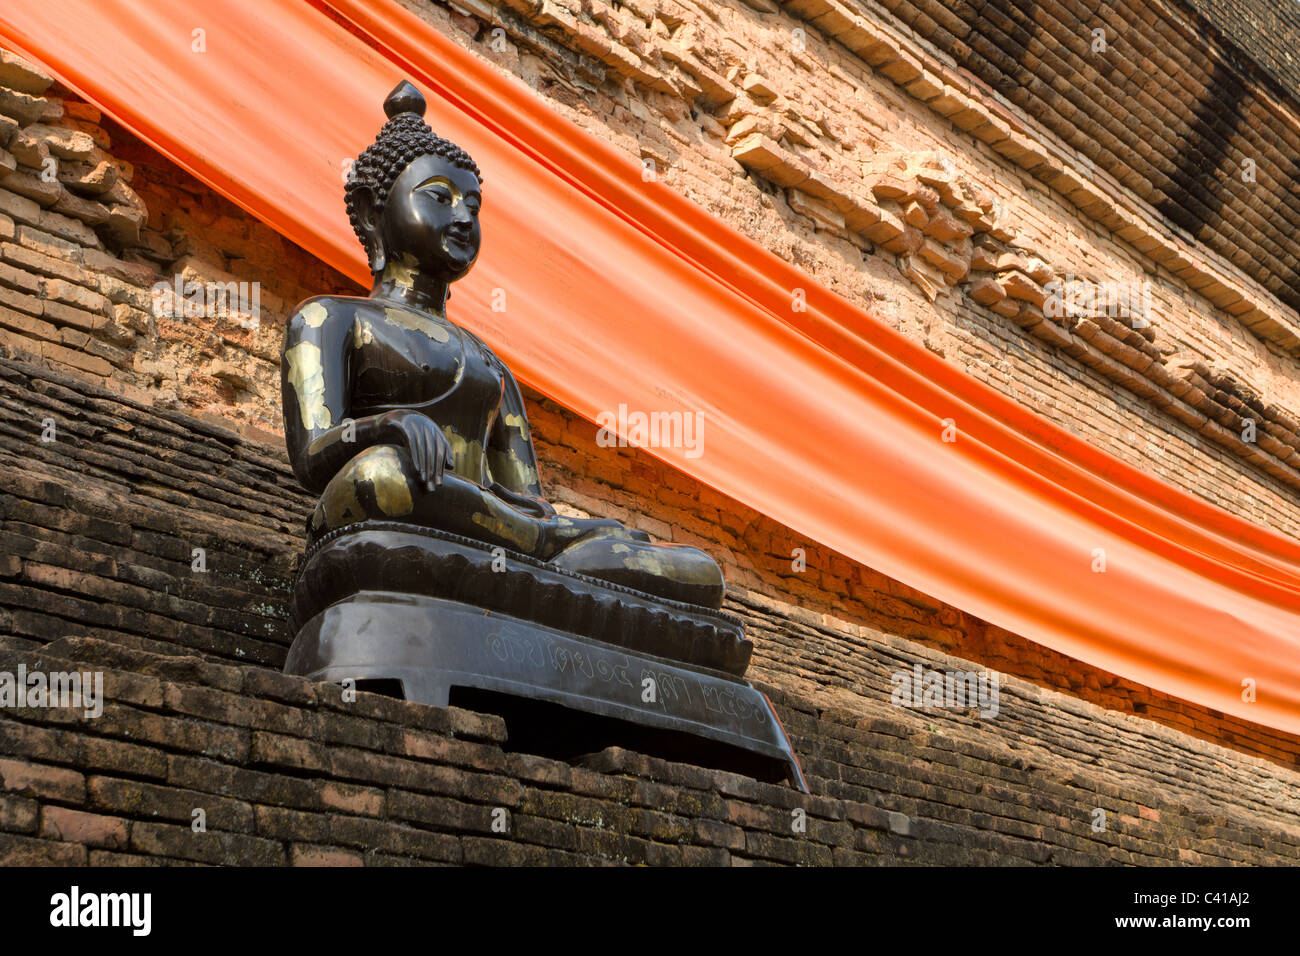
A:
[413,197]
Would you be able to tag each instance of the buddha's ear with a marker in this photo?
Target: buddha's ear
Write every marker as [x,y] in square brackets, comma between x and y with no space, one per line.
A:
[368,217]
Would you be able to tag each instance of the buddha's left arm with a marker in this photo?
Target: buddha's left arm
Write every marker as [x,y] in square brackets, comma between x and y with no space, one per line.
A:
[510,455]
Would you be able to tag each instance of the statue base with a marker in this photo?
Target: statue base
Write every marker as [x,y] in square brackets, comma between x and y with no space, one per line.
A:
[499,649]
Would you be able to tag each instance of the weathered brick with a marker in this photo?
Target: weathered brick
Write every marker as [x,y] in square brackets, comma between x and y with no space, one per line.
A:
[213,846]
[301,854]
[18,814]
[26,851]
[140,800]
[77,826]
[42,780]
[442,813]
[395,839]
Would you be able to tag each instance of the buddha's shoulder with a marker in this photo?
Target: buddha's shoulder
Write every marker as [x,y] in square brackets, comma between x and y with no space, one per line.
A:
[330,311]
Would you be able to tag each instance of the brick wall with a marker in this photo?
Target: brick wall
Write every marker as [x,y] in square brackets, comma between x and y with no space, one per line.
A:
[287,773]
[98,537]
[91,220]
[166,440]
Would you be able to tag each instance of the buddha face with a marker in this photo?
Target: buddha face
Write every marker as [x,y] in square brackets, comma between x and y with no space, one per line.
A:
[430,222]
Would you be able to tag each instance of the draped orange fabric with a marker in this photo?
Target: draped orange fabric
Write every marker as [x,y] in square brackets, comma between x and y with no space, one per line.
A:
[619,291]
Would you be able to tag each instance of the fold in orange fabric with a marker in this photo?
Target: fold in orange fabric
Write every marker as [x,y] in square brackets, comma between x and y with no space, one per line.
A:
[620,292]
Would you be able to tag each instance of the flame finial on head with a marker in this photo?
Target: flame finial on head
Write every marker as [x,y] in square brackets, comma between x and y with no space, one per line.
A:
[405,98]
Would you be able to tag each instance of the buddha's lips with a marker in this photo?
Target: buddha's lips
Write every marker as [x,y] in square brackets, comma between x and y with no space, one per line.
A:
[449,241]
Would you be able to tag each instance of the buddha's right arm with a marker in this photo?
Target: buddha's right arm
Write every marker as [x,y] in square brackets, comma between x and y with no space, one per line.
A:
[313,374]
[320,436]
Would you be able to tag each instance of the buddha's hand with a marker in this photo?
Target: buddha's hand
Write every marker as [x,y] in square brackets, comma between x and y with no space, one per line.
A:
[430,450]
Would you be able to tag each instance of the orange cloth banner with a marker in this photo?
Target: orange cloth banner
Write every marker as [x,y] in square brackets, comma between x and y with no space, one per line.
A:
[620,292]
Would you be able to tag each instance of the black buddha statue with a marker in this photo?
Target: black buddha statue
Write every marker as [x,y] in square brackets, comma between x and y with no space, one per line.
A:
[433,561]
[393,412]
